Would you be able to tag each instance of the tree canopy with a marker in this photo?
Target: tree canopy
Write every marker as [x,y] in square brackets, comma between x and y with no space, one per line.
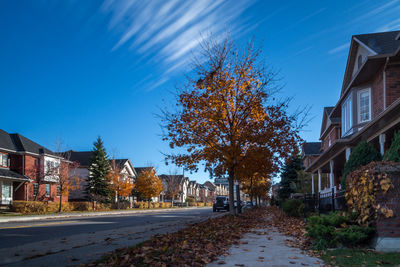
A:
[226,111]
[98,188]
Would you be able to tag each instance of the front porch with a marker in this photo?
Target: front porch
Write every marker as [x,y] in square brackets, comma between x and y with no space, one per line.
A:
[10,182]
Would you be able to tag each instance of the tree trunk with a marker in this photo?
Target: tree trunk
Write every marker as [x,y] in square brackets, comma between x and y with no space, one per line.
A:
[60,205]
[238,205]
[251,192]
[232,209]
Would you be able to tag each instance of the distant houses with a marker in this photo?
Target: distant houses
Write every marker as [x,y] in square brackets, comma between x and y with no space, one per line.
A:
[25,175]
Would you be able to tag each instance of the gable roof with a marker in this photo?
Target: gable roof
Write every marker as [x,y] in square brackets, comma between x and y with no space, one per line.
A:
[311,148]
[328,120]
[382,43]
[139,170]
[20,143]
[6,141]
[180,178]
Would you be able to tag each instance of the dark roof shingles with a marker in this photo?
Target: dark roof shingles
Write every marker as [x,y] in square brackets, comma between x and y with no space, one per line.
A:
[312,148]
[382,42]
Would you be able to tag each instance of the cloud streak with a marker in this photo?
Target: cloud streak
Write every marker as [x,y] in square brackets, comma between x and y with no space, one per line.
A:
[339,48]
[166,32]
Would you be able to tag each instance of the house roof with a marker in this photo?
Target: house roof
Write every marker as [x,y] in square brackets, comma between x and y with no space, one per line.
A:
[312,148]
[180,177]
[82,157]
[20,143]
[382,43]
[6,141]
[8,174]
[139,170]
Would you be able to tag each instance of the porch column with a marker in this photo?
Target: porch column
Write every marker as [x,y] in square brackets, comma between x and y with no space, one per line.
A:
[348,152]
[312,183]
[331,175]
[319,180]
[382,139]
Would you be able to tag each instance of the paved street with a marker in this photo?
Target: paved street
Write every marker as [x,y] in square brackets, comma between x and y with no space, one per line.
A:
[71,241]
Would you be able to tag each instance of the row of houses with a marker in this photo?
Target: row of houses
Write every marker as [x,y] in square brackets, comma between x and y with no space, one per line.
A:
[368,109]
[24,174]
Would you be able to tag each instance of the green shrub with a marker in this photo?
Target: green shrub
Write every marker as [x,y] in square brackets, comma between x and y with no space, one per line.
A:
[361,155]
[355,235]
[293,207]
[393,154]
[190,199]
[328,231]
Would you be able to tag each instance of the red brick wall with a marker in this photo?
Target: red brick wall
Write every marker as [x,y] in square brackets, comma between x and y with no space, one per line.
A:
[333,134]
[390,227]
[16,163]
[32,172]
[392,83]
[377,94]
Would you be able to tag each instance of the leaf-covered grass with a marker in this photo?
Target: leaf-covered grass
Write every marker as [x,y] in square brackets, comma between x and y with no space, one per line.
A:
[357,257]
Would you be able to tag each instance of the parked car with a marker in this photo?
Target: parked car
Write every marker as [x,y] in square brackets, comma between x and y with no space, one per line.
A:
[221,203]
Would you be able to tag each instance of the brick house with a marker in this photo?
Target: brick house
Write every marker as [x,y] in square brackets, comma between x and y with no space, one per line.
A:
[368,108]
[193,190]
[83,158]
[180,182]
[24,170]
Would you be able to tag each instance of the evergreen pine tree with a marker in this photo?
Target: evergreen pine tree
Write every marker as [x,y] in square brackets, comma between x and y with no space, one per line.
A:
[289,177]
[98,188]
[393,154]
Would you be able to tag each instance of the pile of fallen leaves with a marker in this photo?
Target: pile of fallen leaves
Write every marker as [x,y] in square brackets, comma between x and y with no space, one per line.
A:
[196,245]
[290,226]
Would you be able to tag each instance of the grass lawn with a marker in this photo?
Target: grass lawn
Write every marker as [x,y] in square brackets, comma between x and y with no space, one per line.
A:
[358,257]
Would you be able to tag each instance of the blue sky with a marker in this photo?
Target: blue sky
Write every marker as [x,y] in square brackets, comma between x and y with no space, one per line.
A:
[73,70]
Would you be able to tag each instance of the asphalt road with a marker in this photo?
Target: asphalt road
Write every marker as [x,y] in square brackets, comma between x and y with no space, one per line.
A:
[66,242]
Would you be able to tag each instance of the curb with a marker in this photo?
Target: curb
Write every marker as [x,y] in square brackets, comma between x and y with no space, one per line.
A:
[88,214]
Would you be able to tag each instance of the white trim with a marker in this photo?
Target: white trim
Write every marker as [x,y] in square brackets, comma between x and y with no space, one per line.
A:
[365,46]
[359,92]
[347,102]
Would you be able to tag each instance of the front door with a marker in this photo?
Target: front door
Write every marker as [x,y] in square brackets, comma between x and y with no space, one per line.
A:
[6,192]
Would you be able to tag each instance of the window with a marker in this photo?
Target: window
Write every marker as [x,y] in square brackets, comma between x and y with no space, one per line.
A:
[347,117]
[36,162]
[364,105]
[58,190]
[35,189]
[48,188]
[3,160]
[359,61]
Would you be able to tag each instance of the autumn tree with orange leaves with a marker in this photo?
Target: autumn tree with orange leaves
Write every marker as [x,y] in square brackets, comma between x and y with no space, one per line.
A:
[149,184]
[120,184]
[226,110]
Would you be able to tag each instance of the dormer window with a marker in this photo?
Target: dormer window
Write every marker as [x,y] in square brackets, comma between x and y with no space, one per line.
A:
[364,105]
[3,160]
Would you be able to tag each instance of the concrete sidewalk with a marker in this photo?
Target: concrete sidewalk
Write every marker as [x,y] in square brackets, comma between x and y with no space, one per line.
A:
[27,218]
[266,247]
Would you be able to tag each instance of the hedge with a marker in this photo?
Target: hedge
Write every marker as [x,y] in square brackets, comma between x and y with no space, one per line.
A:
[39,207]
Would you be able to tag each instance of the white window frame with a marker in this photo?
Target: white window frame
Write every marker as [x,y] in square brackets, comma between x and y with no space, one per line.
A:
[2,156]
[359,102]
[48,193]
[348,103]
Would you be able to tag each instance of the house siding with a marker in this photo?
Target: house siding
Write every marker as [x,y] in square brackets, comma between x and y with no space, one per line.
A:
[377,95]
[392,83]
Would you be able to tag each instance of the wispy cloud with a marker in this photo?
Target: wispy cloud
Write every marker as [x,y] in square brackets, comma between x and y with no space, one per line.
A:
[339,48]
[166,32]
[390,26]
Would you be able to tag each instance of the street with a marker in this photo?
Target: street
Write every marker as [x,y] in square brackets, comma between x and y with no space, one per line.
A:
[66,242]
